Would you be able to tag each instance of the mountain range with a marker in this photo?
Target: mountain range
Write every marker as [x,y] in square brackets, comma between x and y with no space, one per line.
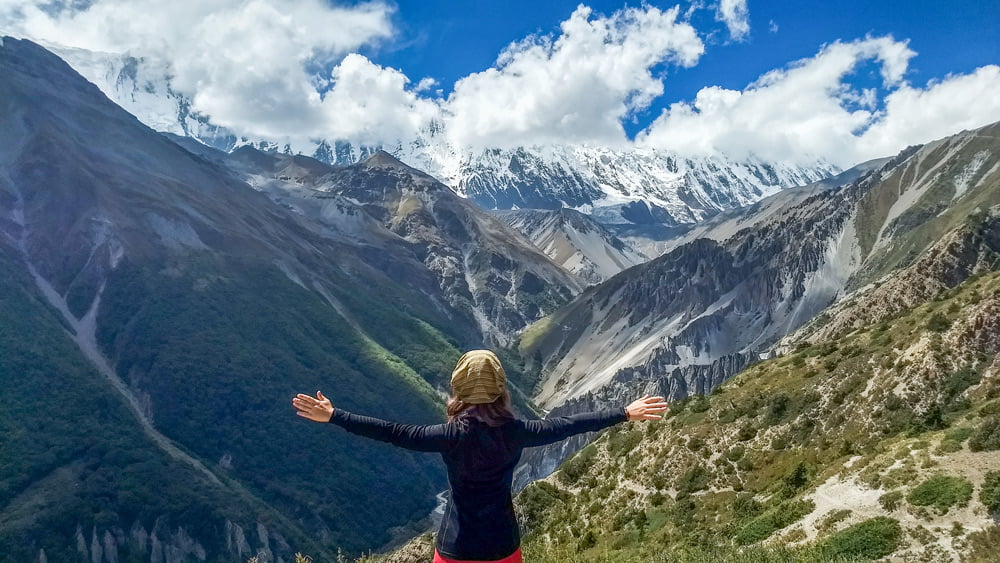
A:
[829,350]
[618,186]
[164,304]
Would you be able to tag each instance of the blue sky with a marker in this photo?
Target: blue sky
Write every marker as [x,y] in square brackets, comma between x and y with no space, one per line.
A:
[784,81]
[440,40]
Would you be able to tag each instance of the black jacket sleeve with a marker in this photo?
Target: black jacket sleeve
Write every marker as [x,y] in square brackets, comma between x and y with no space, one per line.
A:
[541,432]
[422,438]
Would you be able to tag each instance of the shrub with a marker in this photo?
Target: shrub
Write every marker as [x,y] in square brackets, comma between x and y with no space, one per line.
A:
[727,415]
[694,479]
[796,480]
[699,404]
[990,493]
[942,492]
[746,506]
[958,382]
[773,520]
[777,408]
[746,432]
[832,518]
[572,469]
[623,442]
[959,434]
[779,443]
[536,501]
[938,323]
[735,453]
[984,545]
[890,501]
[871,539]
[948,446]
[987,436]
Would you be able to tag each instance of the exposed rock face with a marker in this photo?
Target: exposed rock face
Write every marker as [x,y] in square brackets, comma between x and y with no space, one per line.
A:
[708,299]
[166,544]
[966,251]
[477,265]
[575,241]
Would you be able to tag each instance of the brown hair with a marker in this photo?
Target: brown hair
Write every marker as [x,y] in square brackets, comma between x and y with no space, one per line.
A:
[493,414]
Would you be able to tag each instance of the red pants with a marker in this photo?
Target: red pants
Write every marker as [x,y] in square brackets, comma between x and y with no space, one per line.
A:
[512,558]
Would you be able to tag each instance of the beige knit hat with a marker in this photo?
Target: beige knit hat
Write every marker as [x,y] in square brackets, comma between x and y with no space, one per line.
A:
[478,378]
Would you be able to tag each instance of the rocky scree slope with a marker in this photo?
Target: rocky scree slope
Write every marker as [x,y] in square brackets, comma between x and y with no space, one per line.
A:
[575,241]
[684,322]
[484,271]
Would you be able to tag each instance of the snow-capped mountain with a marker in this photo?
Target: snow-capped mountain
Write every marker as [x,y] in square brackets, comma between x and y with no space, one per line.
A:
[574,241]
[615,185]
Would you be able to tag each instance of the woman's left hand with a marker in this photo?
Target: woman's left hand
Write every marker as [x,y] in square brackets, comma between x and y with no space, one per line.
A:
[317,408]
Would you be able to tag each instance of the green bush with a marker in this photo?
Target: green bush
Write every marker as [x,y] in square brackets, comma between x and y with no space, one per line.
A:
[796,480]
[763,526]
[536,501]
[623,442]
[990,493]
[573,468]
[987,436]
[938,323]
[948,446]
[941,492]
[959,434]
[890,501]
[694,479]
[871,539]
[699,404]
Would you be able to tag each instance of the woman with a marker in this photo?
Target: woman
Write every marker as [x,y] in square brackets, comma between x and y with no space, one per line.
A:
[481,443]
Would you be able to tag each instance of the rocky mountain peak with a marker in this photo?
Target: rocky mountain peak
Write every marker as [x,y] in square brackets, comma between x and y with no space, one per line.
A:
[382,159]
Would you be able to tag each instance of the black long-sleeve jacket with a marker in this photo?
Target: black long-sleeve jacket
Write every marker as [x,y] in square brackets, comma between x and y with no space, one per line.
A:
[479,522]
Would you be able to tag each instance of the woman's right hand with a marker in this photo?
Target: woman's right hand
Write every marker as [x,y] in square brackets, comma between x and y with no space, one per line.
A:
[646,408]
[318,408]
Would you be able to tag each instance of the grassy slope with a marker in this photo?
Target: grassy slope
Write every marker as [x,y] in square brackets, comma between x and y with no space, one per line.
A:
[71,454]
[937,210]
[221,348]
[872,413]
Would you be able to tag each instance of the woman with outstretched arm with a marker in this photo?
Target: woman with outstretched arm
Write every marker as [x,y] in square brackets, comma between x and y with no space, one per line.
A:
[481,444]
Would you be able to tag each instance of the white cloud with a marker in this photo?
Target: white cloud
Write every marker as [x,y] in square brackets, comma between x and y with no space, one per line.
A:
[736,16]
[918,115]
[576,87]
[243,63]
[371,104]
[804,112]
[251,65]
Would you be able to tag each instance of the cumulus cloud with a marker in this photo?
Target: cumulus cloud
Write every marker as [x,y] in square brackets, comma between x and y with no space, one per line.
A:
[808,110]
[243,63]
[576,87]
[942,108]
[736,16]
[288,71]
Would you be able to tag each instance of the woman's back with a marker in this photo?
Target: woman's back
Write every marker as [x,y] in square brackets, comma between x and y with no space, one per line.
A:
[479,522]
